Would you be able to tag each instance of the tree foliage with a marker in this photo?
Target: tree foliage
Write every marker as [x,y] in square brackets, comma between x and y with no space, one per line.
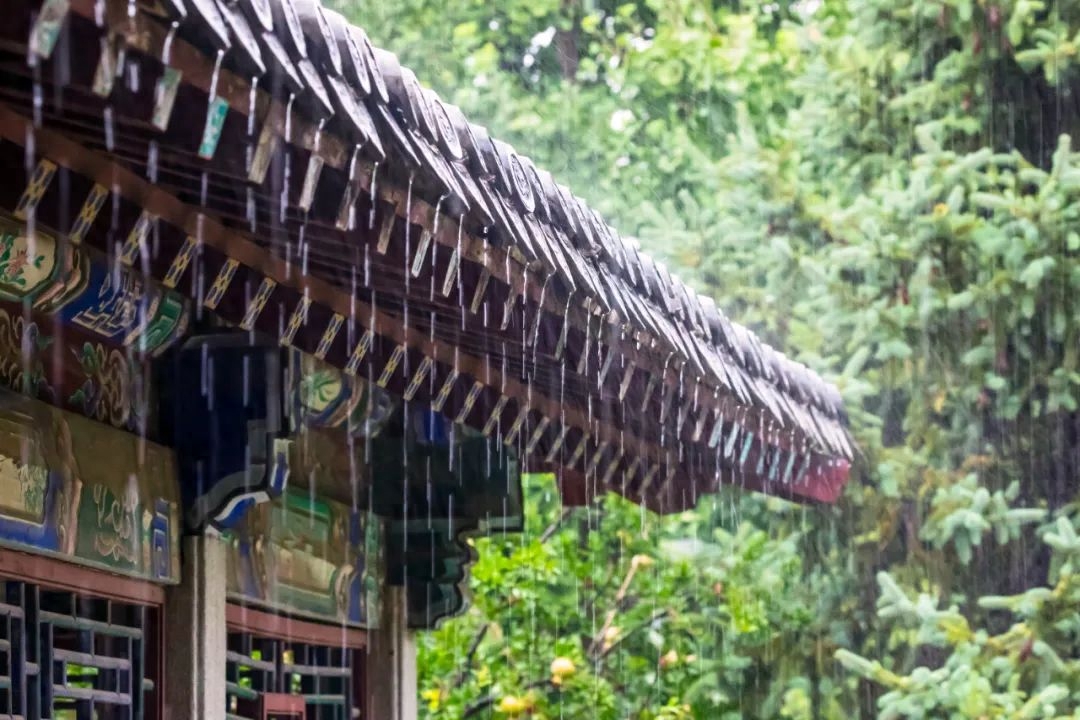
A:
[886,190]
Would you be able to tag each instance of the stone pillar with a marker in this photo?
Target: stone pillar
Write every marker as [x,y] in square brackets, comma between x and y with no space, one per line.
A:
[390,667]
[195,633]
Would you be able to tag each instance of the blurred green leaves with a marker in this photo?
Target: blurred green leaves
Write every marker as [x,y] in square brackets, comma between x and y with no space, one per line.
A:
[887,191]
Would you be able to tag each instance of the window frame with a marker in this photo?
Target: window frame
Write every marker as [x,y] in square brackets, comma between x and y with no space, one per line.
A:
[51,574]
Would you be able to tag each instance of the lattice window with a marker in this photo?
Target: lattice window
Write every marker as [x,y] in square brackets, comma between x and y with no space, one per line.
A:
[71,656]
[261,671]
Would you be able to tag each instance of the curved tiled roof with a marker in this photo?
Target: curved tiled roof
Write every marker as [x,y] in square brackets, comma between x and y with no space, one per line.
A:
[267,163]
[589,355]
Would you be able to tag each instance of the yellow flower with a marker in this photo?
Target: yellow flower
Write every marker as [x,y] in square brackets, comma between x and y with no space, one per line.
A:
[941,210]
[512,705]
[433,697]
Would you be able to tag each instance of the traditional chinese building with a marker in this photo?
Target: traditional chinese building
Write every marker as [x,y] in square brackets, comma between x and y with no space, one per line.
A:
[279,329]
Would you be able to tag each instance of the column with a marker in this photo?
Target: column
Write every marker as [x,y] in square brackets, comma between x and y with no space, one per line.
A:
[390,668]
[195,633]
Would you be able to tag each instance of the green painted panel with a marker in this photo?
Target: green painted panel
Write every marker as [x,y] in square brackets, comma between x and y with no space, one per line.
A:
[80,490]
[311,556]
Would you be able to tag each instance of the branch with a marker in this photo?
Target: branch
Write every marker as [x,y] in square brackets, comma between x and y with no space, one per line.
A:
[657,615]
[566,41]
[489,700]
[619,597]
[554,527]
[463,673]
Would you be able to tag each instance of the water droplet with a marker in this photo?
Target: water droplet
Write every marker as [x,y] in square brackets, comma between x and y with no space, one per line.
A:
[253,97]
[367,266]
[288,117]
[133,75]
[166,47]
[318,136]
[39,97]
[352,162]
[408,237]
[152,162]
[251,209]
[371,214]
[212,95]
[110,137]
[540,315]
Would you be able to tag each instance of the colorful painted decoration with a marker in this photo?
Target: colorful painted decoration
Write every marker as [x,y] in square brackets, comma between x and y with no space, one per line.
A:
[553,452]
[165,97]
[28,266]
[215,121]
[255,307]
[515,428]
[311,182]
[391,365]
[418,378]
[537,434]
[48,26]
[264,153]
[309,556]
[495,415]
[229,501]
[221,283]
[328,398]
[226,428]
[470,400]
[452,269]
[359,352]
[86,376]
[59,494]
[88,213]
[296,320]
[329,335]
[135,244]
[444,391]
[105,73]
[118,306]
[35,189]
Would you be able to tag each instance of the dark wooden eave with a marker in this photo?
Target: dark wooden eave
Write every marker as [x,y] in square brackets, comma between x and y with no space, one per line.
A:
[455,271]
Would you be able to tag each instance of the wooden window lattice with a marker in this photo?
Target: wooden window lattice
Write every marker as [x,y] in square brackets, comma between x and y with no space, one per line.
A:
[259,667]
[71,656]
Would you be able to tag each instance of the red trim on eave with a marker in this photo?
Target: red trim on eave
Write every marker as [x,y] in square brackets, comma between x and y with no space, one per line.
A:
[825,482]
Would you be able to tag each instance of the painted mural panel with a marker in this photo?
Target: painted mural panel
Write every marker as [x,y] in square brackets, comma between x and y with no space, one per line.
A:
[75,488]
[30,267]
[73,371]
[326,397]
[111,320]
[109,299]
[311,556]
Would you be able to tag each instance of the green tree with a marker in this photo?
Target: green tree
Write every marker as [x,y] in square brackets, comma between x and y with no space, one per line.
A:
[886,190]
